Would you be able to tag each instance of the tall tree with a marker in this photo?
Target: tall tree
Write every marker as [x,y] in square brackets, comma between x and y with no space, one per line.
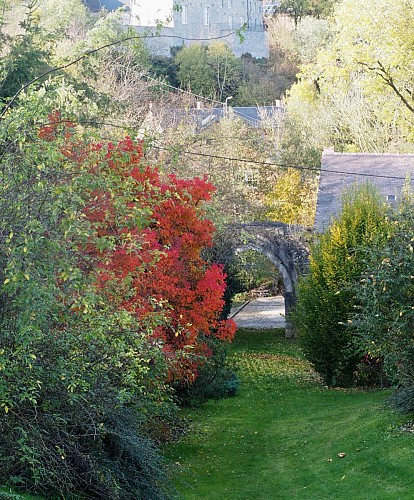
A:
[210,71]
[375,38]
[194,72]
[371,54]
[298,9]
[356,94]
[295,8]
[293,198]
[227,69]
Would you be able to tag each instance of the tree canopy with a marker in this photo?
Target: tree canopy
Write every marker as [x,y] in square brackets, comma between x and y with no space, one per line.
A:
[210,71]
[362,79]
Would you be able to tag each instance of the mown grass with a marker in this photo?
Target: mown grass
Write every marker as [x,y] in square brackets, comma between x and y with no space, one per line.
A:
[279,438]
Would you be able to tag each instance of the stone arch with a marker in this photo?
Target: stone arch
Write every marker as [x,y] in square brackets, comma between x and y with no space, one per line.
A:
[284,245]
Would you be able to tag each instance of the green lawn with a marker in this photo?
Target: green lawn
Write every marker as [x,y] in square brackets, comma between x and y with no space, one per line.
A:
[7,494]
[279,438]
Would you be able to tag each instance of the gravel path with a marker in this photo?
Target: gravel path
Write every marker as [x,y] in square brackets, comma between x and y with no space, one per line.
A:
[261,313]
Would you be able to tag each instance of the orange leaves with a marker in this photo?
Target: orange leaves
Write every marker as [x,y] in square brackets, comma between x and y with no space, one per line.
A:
[56,126]
[157,262]
[226,330]
[146,236]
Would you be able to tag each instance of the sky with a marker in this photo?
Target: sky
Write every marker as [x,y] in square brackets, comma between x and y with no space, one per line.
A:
[151,11]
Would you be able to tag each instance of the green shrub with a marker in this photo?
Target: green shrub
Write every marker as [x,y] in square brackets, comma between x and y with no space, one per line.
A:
[216,379]
[384,321]
[80,382]
[326,297]
[370,372]
[403,399]
[98,455]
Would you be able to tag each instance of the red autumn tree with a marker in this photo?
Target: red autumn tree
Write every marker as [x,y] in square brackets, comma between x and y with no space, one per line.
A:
[153,231]
[147,236]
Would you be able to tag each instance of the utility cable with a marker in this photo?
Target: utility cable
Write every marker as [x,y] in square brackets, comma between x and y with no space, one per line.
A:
[93,51]
[281,165]
[240,160]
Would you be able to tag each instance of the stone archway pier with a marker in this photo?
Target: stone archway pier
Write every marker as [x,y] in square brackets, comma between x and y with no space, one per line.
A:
[284,245]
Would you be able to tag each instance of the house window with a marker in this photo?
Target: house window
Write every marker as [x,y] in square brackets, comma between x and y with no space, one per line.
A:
[184,14]
[391,197]
[206,16]
[230,23]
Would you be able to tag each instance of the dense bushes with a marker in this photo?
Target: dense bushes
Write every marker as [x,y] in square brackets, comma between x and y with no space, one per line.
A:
[89,443]
[383,324]
[216,378]
[354,314]
[73,365]
[105,300]
[326,296]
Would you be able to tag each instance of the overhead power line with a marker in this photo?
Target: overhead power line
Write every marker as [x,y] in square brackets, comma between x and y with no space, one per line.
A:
[282,165]
[315,169]
[107,45]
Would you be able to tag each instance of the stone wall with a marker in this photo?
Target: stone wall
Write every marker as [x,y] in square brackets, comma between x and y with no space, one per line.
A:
[209,20]
[286,246]
[161,41]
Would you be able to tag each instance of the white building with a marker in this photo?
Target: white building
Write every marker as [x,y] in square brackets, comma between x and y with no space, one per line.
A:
[199,21]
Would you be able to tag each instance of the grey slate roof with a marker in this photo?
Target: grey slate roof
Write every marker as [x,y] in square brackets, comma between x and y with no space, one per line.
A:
[252,115]
[159,118]
[341,170]
[97,5]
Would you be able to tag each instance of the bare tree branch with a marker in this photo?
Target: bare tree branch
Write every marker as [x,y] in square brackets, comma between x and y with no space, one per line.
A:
[93,51]
[388,79]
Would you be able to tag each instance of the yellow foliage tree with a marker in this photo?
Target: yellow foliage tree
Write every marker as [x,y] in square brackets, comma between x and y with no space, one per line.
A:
[293,199]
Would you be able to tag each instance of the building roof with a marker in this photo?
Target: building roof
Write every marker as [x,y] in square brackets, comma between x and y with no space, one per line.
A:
[387,172]
[270,8]
[157,119]
[251,115]
[97,5]
[201,118]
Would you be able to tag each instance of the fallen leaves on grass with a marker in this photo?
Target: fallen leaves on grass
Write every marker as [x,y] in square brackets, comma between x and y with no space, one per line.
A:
[258,367]
[408,427]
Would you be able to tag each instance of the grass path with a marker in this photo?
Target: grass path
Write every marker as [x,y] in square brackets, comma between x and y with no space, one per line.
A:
[279,438]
